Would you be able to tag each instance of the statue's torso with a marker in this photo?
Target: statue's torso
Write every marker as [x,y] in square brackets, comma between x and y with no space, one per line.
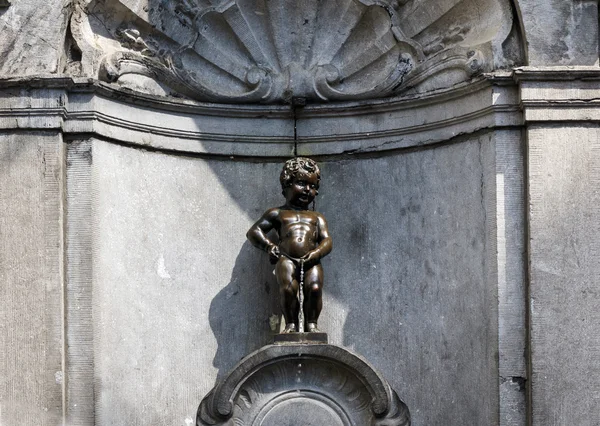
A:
[298,232]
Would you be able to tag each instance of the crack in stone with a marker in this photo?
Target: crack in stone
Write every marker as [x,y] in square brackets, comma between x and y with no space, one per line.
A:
[482,194]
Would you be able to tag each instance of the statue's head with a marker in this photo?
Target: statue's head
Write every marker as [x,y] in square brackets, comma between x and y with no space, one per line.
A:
[300,179]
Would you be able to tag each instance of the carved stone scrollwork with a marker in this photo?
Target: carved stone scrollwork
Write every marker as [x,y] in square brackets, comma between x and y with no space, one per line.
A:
[303,384]
[251,51]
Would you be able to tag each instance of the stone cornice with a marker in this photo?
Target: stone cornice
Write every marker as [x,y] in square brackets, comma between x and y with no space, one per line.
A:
[558,94]
[85,106]
[558,73]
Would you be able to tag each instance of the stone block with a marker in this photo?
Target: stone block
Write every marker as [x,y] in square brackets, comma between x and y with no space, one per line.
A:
[564,250]
[31,345]
[509,235]
[79,336]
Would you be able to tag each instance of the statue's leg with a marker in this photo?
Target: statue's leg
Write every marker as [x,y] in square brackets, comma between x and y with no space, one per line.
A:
[313,295]
[285,271]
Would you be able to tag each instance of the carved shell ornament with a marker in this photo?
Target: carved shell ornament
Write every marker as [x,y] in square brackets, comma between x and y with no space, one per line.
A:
[270,51]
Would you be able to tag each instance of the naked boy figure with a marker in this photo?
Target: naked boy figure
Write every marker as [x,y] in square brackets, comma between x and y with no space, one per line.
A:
[303,239]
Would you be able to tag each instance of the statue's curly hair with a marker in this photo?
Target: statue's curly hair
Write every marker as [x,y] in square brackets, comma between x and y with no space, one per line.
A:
[295,165]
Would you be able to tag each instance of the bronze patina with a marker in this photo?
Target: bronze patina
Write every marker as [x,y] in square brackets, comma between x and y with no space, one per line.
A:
[303,240]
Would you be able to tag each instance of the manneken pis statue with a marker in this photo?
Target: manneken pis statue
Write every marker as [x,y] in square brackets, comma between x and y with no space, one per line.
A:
[303,240]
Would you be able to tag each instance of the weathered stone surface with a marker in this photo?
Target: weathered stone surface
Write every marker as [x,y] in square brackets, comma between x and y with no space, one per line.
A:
[564,177]
[561,32]
[372,127]
[513,403]
[31,346]
[32,37]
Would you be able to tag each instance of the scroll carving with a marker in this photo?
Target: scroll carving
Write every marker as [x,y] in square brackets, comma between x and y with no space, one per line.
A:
[255,51]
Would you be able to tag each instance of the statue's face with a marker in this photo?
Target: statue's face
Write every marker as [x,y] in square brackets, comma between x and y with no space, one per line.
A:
[303,190]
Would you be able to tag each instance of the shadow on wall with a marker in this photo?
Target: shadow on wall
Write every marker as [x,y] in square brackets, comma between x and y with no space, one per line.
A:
[240,312]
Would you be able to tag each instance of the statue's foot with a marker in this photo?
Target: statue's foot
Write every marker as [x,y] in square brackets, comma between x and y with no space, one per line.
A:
[289,328]
[311,327]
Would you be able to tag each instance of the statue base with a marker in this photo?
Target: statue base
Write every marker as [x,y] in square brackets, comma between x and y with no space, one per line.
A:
[306,338]
[303,382]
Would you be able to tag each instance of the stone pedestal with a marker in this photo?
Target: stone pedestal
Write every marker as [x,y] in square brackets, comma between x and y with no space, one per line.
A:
[289,384]
[308,338]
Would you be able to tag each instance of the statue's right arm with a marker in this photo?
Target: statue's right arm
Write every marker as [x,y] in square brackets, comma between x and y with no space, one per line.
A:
[257,234]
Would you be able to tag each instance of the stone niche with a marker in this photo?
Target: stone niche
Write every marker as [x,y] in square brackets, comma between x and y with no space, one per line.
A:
[158,308]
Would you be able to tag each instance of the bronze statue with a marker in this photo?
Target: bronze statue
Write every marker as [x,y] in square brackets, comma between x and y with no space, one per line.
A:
[303,240]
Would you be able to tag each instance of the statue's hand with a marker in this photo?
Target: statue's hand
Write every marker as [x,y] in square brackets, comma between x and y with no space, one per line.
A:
[311,258]
[274,253]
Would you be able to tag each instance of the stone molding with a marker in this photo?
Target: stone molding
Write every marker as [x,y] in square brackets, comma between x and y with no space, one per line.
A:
[252,51]
[563,93]
[352,391]
[85,106]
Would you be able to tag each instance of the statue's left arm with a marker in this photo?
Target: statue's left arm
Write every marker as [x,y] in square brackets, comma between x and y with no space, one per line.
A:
[325,243]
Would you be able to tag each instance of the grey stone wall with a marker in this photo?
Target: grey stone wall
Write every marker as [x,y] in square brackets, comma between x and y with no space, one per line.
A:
[411,270]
